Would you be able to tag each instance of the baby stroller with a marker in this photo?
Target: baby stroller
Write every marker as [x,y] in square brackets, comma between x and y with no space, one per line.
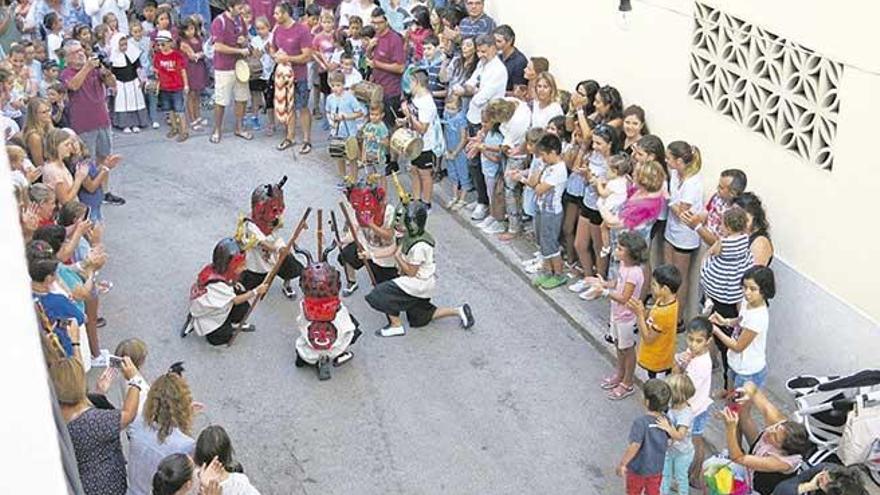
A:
[823,405]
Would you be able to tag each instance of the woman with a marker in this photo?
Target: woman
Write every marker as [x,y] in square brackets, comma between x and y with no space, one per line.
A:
[634,127]
[536,66]
[175,475]
[164,428]
[588,234]
[94,433]
[129,106]
[584,101]
[513,116]
[776,452]
[758,228]
[37,126]
[55,173]
[546,105]
[460,67]
[214,443]
[9,32]
[685,194]
[609,107]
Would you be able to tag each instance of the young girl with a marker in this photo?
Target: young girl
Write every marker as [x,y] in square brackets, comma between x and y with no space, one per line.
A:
[101,46]
[91,193]
[323,44]
[455,133]
[632,251]
[196,71]
[490,160]
[574,192]
[262,92]
[111,22]
[677,424]
[146,74]
[419,29]
[612,195]
[129,107]
[696,363]
[164,22]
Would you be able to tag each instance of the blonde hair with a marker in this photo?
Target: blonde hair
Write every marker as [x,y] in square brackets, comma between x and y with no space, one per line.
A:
[534,135]
[169,406]
[682,388]
[650,176]
[500,110]
[69,379]
[262,20]
[16,154]
[551,81]
[135,349]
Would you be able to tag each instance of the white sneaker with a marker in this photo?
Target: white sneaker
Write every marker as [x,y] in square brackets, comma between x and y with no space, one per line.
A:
[459,205]
[471,205]
[349,290]
[590,294]
[135,129]
[103,359]
[495,228]
[480,212]
[530,261]
[451,203]
[127,130]
[485,222]
[535,267]
[390,331]
[579,286]
[155,125]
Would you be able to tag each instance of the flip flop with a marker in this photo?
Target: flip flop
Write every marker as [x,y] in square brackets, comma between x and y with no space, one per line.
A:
[247,136]
[104,286]
[283,145]
[306,148]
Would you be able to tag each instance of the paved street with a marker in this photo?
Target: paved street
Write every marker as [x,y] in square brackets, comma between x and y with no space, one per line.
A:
[510,407]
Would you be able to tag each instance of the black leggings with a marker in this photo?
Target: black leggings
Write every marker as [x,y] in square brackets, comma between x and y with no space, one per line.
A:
[290,269]
[348,256]
[225,331]
[726,311]
[475,168]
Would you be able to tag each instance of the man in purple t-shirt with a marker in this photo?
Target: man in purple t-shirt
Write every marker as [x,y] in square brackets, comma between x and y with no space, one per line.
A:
[87,82]
[292,45]
[385,54]
[230,44]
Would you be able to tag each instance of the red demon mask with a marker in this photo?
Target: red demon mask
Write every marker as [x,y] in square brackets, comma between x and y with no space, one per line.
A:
[267,206]
[321,308]
[322,335]
[320,280]
[368,203]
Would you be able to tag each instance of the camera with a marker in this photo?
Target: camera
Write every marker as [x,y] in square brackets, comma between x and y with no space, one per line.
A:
[103,59]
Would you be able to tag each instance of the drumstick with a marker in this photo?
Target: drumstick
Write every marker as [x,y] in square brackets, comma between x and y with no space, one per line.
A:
[335,230]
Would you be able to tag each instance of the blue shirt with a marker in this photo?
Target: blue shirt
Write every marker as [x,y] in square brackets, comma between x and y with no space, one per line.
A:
[489,167]
[59,307]
[652,446]
[93,199]
[374,135]
[432,67]
[345,104]
[471,28]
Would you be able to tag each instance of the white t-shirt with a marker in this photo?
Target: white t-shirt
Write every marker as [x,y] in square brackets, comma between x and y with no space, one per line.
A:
[238,484]
[427,114]
[616,194]
[542,116]
[422,284]
[352,78]
[387,261]
[53,43]
[515,129]
[257,259]
[555,175]
[691,192]
[490,79]
[754,357]
[354,7]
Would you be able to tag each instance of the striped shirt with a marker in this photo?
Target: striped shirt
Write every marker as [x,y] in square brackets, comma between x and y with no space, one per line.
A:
[721,275]
[471,28]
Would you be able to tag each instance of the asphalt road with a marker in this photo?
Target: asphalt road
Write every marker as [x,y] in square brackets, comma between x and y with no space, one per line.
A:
[512,406]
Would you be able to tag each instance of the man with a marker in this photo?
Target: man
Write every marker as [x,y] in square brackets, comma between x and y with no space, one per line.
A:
[708,224]
[386,56]
[230,43]
[87,82]
[97,9]
[488,81]
[477,23]
[514,60]
[291,47]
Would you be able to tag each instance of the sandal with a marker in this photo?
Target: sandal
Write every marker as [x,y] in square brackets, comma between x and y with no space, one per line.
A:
[610,382]
[305,148]
[621,392]
[182,137]
[215,138]
[246,135]
[283,145]
[104,286]
[197,127]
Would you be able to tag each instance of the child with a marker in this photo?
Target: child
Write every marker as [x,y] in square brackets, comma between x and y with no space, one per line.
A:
[530,204]
[111,22]
[455,133]
[696,362]
[129,108]
[196,71]
[170,66]
[423,119]
[631,251]
[23,171]
[642,463]
[149,17]
[146,74]
[549,185]
[347,66]
[50,77]
[136,350]
[657,331]
[431,63]
[323,46]
[91,193]
[355,43]
[54,35]
[262,93]
[374,136]
[678,426]
[490,164]
[346,116]
[56,95]
[612,194]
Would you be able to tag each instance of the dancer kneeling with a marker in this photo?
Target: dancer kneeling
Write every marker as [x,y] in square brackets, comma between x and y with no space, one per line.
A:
[218,303]
[411,291]
[375,232]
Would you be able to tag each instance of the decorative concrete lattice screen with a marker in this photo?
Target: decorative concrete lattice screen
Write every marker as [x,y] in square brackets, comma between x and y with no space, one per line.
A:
[766,83]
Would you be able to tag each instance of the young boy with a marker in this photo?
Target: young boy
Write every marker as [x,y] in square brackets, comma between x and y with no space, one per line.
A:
[50,73]
[151,9]
[346,65]
[642,462]
[374,135]
[423,119]
[696,362]
[56,95]
[549,184]
[346,115]
[431,63]
[657,329]
[54,35]
[261,94]
[170,66]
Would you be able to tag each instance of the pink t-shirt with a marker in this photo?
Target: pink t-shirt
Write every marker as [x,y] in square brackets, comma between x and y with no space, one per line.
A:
[54,175]
[88,104]
[292,40]
[389,50]
[626,275]
[699,370]
[226,30]
[264,8]
[323,43]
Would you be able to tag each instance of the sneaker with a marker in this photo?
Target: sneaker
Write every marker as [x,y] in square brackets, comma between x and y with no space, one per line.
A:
[155,125]
[608,338]
[466,315]
[103,359]
[288,291]
[343,358]
[708,307]
[554,281]
[136,130]
[113,199]
[621,392]
[470,206]
[605,251]
[349,290]
[461,203]
[579,286]
[590,294]
[535,267]
[533,259]
[487,221]
[495,228]
[127,130]
[609,382]
[390,331]
[480,212]
[244,327]
[451,203]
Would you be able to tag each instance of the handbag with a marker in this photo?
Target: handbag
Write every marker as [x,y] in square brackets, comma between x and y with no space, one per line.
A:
[860,433]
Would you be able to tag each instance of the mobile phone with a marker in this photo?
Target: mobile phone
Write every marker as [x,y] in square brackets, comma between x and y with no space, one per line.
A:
[115,362]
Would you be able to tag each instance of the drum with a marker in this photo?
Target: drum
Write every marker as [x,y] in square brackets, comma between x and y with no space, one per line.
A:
[256,67]
[406,143]
[346,148]
[367,92]
[242,71]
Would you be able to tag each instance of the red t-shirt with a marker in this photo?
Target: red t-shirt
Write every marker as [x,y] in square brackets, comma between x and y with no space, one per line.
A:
[292,40]
[169,68]
[389,50]
[226,30]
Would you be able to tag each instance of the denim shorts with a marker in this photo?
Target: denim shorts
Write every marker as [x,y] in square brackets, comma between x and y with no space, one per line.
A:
[699,424]
[171,101]
[759,378]
[549,228]
[301,95]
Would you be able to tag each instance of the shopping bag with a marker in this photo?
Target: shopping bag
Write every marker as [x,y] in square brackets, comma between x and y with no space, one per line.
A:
[860,432]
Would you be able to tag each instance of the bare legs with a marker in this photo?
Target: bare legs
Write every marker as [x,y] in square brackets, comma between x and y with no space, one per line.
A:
[682,261]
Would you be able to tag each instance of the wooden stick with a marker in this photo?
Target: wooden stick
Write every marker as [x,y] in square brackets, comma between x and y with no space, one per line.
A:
[335,228]
[320,233]
[353,231]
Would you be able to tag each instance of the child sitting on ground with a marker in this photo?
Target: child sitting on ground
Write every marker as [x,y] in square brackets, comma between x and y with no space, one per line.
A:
[346,115]
[642,462]
[678,426]
[612,195]
[657,329]
[696,362]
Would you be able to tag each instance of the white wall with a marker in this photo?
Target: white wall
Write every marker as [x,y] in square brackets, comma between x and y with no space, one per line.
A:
[821,221]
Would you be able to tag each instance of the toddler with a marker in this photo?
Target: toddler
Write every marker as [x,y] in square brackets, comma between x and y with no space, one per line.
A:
[490,163]
[642,462]
[375,138]
[455,133]
[612,194]
[677,425]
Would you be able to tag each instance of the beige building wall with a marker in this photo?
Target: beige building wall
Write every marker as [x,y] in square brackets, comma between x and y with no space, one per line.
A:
[822,222]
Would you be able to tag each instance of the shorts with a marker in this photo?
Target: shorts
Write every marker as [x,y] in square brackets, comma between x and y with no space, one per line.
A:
[323,83]
[258,85]
[683,250]
[301,95]
[548,226]
[171,101]
[227,88]
[99,142]
[624,334]
[590,214]
[699,424]
[425,161]
[570,198]
[759,378]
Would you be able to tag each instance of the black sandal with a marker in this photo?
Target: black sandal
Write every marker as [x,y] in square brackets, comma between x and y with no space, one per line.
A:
[305,149]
